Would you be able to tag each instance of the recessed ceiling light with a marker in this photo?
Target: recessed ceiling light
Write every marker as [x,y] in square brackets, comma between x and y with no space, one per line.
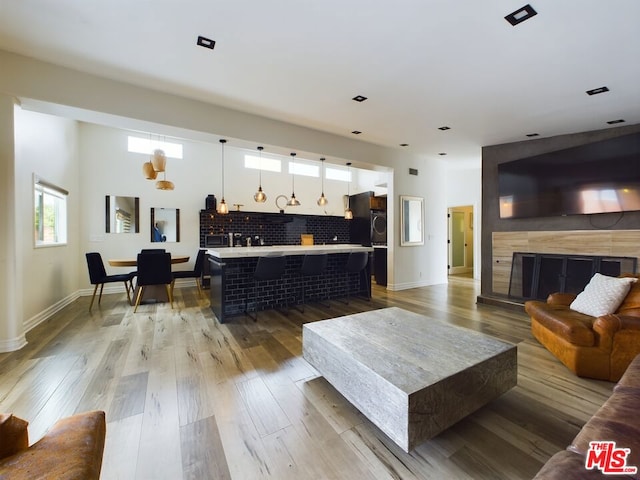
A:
[533,134]
[442,153]
[596,91]
[359,98]
[404,144]
[444,128]
[356,132]
[613,122]
[520,15]
[206,42]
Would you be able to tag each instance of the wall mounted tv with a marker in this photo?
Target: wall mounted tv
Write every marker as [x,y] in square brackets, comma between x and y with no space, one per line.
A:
[599,177]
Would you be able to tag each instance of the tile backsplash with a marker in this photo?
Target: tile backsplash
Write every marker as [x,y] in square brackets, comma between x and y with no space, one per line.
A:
[275,228]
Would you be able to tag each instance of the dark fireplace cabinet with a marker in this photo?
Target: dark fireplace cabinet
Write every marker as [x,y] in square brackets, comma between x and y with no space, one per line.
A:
[536,275]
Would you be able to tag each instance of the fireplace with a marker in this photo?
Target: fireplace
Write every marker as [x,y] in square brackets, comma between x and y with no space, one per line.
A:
[536,275]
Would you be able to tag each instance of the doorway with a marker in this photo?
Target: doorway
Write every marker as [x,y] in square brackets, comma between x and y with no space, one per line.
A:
[460,241]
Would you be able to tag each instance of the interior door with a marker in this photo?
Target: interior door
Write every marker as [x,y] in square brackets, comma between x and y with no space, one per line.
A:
[460,240]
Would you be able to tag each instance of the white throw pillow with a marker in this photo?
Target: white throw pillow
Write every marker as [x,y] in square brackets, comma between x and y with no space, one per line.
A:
[602,295]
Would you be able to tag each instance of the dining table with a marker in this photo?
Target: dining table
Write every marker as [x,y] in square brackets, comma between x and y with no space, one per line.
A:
[132,262]
[153,293]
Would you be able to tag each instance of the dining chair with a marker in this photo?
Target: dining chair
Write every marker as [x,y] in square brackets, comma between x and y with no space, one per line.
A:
[196,273]
[269,268]
[98,277]
[313,265]
[154,269]
[357,263]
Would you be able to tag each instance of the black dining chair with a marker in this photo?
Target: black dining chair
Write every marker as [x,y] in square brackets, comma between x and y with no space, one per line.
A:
[196,273]
[154,269]
[268,268]
[153,250]
[98,277]
[357,263]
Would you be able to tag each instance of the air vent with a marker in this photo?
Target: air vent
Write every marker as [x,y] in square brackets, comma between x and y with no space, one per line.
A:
[444,128]
[413,171]
[613,122]
[359,98]
[533,135]
[404,144]
[356,132]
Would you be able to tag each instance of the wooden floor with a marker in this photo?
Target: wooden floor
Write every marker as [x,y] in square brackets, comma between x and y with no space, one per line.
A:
[189,398]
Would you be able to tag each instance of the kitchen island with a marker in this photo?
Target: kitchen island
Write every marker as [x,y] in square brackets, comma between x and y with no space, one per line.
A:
[232,268]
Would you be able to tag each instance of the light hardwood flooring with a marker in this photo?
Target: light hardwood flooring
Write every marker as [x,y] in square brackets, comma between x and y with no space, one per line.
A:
[189,398]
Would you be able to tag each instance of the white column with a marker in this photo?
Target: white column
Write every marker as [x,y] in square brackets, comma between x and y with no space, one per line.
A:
[12,335]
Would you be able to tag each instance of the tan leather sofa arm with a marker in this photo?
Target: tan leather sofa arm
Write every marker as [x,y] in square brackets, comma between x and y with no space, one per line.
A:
[561,298]
[606,327]
[613,323]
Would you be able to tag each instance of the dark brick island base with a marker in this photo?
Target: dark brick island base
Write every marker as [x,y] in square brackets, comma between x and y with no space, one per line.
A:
[234,292]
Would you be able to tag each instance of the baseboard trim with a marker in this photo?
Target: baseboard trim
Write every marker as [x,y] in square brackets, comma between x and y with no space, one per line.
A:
[12,344]
[407,285]
[50,311]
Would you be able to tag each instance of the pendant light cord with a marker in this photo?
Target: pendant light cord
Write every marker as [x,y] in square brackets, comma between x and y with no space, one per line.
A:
[293,173]
[260,168]
[223,141]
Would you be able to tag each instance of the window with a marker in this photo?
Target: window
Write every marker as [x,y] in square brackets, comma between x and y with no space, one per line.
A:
[50,213]
[304,169]
[264,163]
[147,146]
[341,174]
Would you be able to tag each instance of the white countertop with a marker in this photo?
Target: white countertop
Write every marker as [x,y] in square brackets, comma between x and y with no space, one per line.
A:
[240,252]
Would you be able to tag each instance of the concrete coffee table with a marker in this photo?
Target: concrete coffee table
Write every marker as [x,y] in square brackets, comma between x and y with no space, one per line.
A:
[410,375]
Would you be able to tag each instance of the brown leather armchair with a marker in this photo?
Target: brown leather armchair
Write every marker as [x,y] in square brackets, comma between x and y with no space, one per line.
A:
[601,347]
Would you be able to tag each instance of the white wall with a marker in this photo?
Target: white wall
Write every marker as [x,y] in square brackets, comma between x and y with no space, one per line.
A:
[47,146]
[415,266]
[11,327]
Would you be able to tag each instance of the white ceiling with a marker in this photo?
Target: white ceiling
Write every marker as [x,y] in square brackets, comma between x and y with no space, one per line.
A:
[422,64]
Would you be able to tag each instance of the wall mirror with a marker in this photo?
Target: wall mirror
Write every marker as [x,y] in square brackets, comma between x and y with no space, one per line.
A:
[411,220]
[165,224]
[122,214]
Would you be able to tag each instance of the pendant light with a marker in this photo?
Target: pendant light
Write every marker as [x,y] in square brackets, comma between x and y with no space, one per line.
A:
[164,184]
[148,171]
[159,160]
[322,201]
[348,213]
[293,201]
[260,196]
[223,208]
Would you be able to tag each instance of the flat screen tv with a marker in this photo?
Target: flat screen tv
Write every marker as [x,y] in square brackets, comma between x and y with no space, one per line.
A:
[599,177]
